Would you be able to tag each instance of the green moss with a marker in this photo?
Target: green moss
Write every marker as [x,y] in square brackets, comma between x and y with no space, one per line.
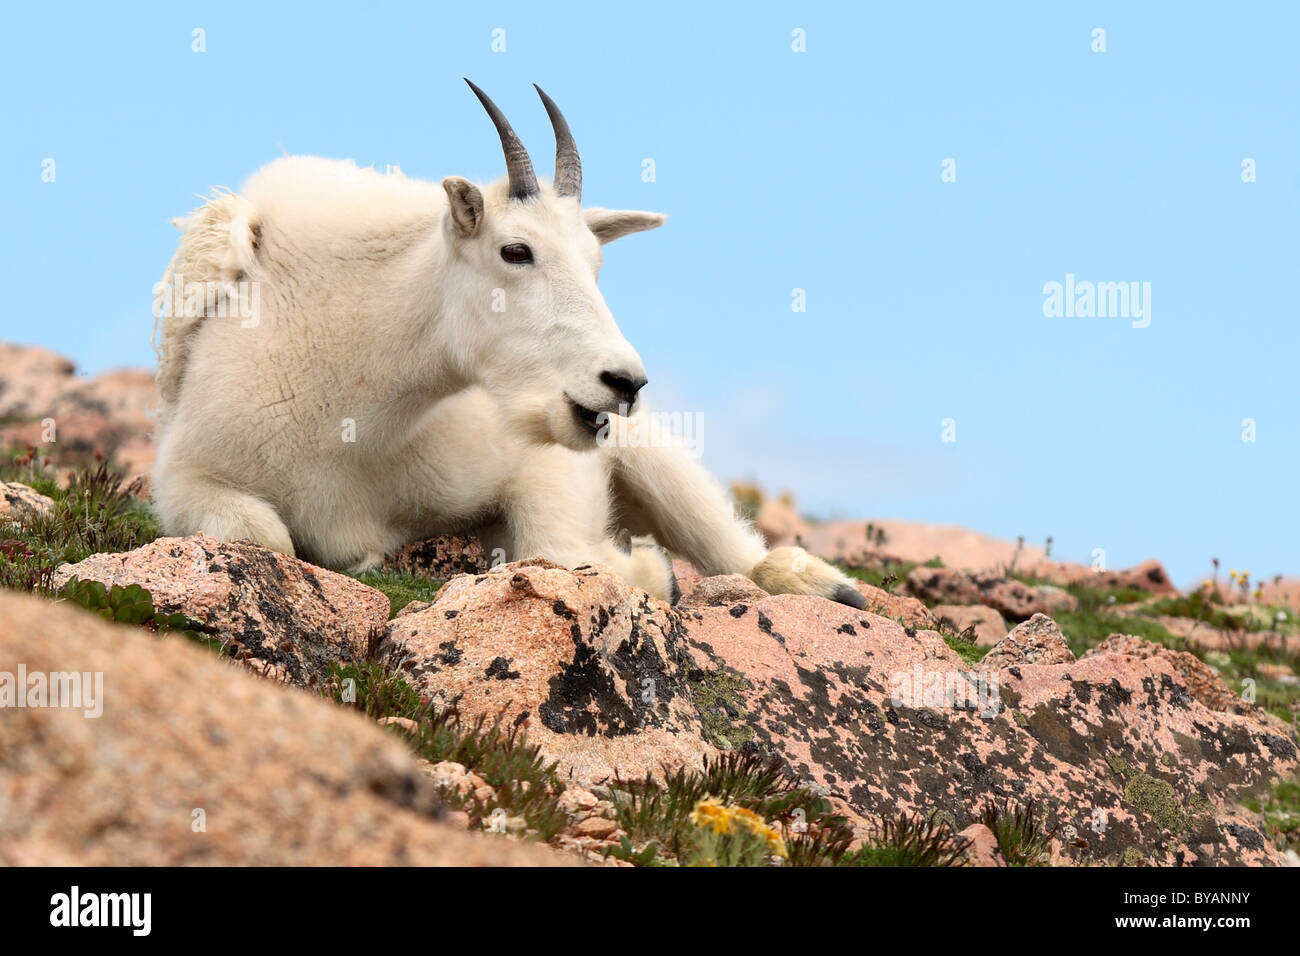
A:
[718,695]
[1157,799]
[970,653]
[1021,719]
[400,587]
[1117,764]
[1132,857]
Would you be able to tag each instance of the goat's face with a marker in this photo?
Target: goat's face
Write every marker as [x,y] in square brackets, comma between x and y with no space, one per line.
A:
[520,286]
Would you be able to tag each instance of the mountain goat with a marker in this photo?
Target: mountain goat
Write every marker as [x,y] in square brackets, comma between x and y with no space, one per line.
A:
[414,360]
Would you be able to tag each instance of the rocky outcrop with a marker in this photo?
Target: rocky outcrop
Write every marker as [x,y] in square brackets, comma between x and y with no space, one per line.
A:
[192,761]
[280,614]
[597,672]
[1013,599]
[987,624]
[886,719]
[1035,641]
[881,717]
[1147,576]
[441,557]
[21,503]
[1200,679]
[67,418]
[908,611]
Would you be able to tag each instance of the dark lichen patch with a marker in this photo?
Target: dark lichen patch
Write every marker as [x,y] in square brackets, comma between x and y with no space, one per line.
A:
[1246,836]
[1278,746]
[584,699]
[499,669]
[1051,728]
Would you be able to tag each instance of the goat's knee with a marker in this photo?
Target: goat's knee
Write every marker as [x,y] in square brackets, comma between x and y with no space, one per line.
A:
[193,506]
[642,564]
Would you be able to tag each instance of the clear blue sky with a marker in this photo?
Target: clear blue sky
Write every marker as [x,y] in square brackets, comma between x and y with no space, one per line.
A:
[780,170]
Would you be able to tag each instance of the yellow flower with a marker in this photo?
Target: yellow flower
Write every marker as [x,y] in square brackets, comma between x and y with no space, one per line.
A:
[722,819]
[712,814]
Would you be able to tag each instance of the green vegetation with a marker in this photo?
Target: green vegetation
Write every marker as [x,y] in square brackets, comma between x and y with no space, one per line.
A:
[1086,629]
[970,652]
[91,515]
[886,577]
[122,605]
[1023,836]
[907,840]
[1281,813]
[524,784]
[400,587]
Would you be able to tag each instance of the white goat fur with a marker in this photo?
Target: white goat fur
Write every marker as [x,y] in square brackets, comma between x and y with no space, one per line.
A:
[376,306]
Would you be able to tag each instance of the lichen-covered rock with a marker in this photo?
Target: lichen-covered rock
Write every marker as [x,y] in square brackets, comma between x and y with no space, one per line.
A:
[897,607]
[1036,641]
[283,615]
[441,557]
[1013,599]
[887,720]
[21,503]
[596,670]
[1200,679]
[193,762]
[1147,576]
[988,624]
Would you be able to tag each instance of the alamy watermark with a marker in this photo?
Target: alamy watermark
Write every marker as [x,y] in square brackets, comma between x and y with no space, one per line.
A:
[74,689]
[947,690]
[236,300]
[683,430]
[1101,300]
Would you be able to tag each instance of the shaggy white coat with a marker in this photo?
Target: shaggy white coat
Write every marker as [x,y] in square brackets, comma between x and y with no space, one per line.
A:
[400,380]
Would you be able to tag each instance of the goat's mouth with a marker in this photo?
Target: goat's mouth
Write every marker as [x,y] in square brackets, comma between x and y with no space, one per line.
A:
[586,418]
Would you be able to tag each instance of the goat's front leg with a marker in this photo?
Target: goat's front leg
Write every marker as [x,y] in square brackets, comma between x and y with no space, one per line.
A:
[662,490]
[557,505]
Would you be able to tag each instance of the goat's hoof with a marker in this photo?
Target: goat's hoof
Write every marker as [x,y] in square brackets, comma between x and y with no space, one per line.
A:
[795,571]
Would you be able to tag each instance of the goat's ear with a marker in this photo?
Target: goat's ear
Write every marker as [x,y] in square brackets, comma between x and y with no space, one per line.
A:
[464,204]
[611,224]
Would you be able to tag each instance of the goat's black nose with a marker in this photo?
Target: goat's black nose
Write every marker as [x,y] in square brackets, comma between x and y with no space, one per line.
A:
[624,385]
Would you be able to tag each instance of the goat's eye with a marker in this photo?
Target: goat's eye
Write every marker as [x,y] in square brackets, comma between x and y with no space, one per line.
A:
[517,252]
